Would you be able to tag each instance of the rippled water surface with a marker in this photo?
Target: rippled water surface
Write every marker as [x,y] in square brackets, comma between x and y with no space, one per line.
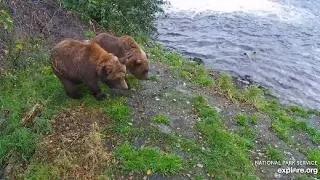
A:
[284,34]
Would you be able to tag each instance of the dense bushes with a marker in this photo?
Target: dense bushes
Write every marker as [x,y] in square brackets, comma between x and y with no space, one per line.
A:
[119,16]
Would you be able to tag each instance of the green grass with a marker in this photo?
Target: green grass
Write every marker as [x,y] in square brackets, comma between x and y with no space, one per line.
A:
[298,111]
[228,157]
[133,82]
[90,34]
[225,84]
[143,159]
[117,110]
[242,119]
[162,119]
[254,119]
[249,134]
[284,124]
[192,72]
[42,171]
[314,155]
[26,85]
[153,78]
[247,131]
[42,126]
[274,154]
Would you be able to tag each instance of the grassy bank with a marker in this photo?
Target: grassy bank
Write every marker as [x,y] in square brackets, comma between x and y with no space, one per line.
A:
[183,124]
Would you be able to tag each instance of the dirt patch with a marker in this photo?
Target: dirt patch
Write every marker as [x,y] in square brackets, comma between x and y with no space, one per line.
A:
[47,19]
[168,96]
[75,148]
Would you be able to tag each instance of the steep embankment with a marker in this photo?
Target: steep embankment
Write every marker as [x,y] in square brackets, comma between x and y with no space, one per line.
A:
[185,123]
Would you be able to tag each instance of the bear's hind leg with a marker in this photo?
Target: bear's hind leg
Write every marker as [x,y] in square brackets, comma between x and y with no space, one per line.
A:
[71,89]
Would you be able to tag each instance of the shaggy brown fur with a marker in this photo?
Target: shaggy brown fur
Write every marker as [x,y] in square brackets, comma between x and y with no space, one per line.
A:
[75,62]
[128,52]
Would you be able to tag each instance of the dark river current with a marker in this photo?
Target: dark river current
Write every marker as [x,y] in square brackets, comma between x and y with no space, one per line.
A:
[285,34]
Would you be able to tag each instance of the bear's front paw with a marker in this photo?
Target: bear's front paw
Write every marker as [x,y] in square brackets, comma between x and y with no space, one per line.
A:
[100,96]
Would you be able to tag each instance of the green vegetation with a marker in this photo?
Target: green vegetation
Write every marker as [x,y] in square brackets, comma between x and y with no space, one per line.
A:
[298,111]
[254,119]
[242,119]
[274,154]
[133,82]
[6,20]
[144,159]
[225,84]
[247,131]
[314,155]
[90,34]
[42,171]
[228,157]
[162,119]
[153,78]
[22,90]
[193,72]
[121,17]
[284,124]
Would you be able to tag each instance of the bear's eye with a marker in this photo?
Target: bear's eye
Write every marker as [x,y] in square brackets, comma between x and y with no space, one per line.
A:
[145,71]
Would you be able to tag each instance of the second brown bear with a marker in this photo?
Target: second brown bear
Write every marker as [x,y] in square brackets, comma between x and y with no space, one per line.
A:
[128,52]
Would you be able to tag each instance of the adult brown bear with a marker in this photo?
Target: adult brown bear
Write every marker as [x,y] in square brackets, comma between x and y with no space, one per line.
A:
[75,62]
[128,52]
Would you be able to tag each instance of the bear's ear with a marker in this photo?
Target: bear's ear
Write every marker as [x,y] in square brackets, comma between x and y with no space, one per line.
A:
[138,61]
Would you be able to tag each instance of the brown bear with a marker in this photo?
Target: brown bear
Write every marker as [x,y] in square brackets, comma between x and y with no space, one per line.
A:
[128,52]
[75,62]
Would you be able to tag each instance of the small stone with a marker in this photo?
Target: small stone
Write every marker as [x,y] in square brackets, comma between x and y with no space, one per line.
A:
[200,165]
[130,124]
[286,152]
[188,175]
[174,100]
[157,99]
[217,109]
[188,102]
[203,148]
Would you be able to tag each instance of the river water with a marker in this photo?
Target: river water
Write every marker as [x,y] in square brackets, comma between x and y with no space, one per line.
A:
[285,34]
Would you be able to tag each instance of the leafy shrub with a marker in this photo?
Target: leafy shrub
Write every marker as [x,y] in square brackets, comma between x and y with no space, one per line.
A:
[119,16]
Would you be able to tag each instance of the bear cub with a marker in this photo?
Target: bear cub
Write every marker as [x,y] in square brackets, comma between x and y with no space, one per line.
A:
[128,52]
[75,62]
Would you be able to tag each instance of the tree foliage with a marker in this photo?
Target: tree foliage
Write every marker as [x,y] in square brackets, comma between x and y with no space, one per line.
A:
[119,16]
